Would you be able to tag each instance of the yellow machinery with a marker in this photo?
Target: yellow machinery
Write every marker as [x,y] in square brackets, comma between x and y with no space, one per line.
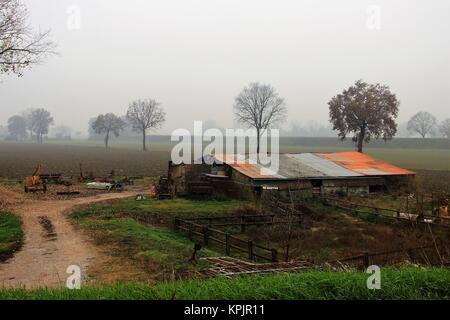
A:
[34,183]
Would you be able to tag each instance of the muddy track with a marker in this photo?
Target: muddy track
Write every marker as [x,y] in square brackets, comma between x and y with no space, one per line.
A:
[51,244]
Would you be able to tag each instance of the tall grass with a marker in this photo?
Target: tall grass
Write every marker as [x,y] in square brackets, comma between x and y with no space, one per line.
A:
[404,283]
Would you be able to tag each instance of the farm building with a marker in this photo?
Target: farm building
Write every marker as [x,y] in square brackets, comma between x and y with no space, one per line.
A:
[300,175]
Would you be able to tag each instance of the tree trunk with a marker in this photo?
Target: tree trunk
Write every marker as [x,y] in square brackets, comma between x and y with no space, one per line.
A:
[362,134]
[257,140]
[144,148]
[106,140]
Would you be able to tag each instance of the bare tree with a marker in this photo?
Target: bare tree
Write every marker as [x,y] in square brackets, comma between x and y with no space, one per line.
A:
[40,121]
[107,124]
[145,115]
[423,123]
[365,110]
[19,46]
[445,128]
[17,128]
[259,106]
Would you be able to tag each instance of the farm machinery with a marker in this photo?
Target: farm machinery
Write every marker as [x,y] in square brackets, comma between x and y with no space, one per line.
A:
[34,182]
[38,181]
[164,189]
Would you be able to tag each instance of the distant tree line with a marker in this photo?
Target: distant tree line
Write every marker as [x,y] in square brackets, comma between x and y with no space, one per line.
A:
[31,124]
[364,111]
[141,117]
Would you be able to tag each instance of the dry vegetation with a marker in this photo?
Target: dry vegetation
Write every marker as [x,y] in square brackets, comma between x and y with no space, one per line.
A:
[331,235]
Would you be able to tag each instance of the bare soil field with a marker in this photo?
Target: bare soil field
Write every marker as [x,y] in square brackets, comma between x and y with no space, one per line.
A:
[19,160]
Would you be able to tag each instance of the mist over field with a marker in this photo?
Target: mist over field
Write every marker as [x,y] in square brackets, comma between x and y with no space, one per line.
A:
[195,56]
[224,149]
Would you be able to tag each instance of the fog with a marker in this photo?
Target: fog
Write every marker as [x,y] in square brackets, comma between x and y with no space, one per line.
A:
[195,56]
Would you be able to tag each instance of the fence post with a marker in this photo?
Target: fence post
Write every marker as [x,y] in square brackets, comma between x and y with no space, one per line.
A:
[250,250]
[205,235]
[227,244]
[366,259]
[176,224]
[242,224]
[274,255]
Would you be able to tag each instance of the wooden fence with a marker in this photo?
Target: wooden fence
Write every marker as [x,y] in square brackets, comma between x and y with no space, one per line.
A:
[386,212]
[428,255]
[207,234]
[243,221]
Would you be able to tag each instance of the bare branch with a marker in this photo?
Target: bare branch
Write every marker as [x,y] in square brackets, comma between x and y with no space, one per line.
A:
[259,106]
[20,48]
[422,123]
[145,115]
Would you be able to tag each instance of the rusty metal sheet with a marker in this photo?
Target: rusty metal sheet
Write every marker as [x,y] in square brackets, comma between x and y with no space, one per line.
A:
[313,165]
[363,164]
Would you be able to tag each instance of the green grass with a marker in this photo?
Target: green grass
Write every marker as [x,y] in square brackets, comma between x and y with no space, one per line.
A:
[8,182]
[180,207]
[115,222]
[146,244]
[404,283]
[10,234]
[164,209]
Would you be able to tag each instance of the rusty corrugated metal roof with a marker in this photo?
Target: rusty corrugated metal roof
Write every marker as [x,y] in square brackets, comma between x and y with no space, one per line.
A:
[313,165]
[362,163]
[324,167]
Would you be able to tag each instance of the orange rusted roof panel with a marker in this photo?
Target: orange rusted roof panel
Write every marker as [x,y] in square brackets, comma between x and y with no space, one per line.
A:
[248,168]
[363,164]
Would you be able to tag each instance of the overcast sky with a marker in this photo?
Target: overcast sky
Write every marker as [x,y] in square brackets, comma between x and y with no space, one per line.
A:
[195,56]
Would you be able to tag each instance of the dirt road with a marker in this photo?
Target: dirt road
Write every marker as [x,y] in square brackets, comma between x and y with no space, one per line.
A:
[51,244]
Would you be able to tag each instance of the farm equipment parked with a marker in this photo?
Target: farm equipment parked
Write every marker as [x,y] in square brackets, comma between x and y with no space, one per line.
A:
[52,178]
[55,178]
[163,189]
[106,186]
[34,182]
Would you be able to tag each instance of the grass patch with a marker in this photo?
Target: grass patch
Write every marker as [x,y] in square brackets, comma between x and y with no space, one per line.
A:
[10,234]
[159,251]
[396,284]
[180,207]
[131,225]
[156,211]
[8,182]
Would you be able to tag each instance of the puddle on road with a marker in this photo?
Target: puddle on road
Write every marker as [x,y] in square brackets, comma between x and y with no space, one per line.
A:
[49,229]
